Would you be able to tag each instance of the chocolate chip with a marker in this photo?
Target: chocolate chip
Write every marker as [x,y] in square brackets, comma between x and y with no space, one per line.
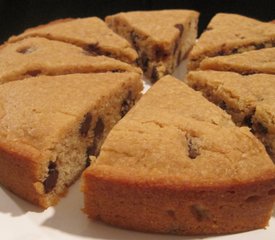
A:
[180,27]
[154,74]
[93,49]
[160,52]
[33,73]
[271,192]
[259,46]
[193,148]
[199,212]
[248,72]
[248,120]
[134,37]
[98,133]
[253,198]
[126,104]
[91,150]
[260,128]
[269,150]
[234,50]
[221,52]
[26,50]
[88,162]
[85,125]
[51,180]
[143,61]
[222,105]
[99,129]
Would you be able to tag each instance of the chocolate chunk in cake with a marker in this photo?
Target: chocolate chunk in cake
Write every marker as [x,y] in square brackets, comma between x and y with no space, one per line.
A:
[232,33]
[52,123]
[161,38]
[249,99]
[91,34]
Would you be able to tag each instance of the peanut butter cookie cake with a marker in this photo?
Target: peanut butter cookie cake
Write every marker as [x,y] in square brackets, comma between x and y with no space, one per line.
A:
[39,56]
[161,38]
[49,125]
[249,99]
[256,61]
[229,34]
[160,170]
[92,34]
[176,163]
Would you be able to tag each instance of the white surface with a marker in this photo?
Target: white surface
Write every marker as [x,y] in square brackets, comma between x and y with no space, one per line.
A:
[20,220]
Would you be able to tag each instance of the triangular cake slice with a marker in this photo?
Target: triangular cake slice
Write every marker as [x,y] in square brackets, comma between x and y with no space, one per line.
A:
[161,170]
[229,34]
[92,34]
[162,38]
[249,99]
[50,124]
[39,56]
[256,61]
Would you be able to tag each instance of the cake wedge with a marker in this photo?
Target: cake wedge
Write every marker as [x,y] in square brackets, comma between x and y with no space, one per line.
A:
[49,125]
[256,61]
[228,34]
[162,38]
[250,100]
[39,56]
[161,170]
[91,34]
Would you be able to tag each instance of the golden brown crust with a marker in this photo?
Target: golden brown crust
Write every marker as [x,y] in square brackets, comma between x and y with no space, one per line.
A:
[163,43]
[24,161]
[233,33]
[249,99]
[173,171]
[179,210]
[41,124]
[88,33]
[256,61]
[39,56]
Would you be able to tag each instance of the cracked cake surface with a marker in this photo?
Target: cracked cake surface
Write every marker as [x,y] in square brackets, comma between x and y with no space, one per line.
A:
[90,33]
[49,125]
[162,38]
[170,171]
[229,34]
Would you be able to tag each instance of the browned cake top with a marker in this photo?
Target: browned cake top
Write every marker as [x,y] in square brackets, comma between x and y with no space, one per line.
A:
[90,32]
[256,61]
[39,110]
[35,56]
[159,144]
[174,98]
[227,31]
[161,26]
